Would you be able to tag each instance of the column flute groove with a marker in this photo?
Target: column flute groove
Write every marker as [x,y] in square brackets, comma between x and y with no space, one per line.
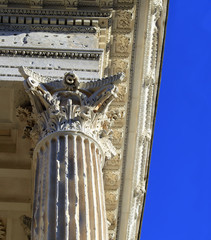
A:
[52,190]
[67,219]
[45,186]
[94,194]
[57,186]
[76,189]
[85,174]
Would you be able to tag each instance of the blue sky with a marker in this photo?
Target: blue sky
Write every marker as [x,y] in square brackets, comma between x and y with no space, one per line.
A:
[178,202]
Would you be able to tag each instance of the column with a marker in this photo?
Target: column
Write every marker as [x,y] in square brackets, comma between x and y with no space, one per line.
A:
[69,198]
[70,126]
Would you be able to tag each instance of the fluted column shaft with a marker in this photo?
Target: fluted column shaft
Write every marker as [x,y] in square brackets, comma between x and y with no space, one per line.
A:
[69,196]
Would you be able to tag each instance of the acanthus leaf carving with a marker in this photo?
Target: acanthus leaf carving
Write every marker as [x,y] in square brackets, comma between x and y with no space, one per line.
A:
[72,105]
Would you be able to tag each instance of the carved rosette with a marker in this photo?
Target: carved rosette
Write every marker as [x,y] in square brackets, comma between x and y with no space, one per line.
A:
[72,130]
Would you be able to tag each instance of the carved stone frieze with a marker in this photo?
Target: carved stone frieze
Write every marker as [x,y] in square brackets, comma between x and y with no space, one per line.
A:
[111,179]
[44,28]
[122,44]
[111,199]
[117,135]
[116,113]
[111,218]
[145,120]
[120,65]
[124,19]
[122,93]
[114,163]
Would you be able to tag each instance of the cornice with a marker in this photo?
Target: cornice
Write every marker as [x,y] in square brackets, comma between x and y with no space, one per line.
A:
[164,17]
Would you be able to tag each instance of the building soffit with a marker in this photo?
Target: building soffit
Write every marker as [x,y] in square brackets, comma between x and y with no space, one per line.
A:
[130,35]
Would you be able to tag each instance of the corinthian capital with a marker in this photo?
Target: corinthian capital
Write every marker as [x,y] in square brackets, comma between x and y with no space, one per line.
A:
[71,105]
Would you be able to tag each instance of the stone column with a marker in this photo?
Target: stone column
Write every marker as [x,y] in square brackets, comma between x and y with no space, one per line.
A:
[69,195]
[71,144]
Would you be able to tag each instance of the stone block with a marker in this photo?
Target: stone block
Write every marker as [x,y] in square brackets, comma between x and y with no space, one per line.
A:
[70,22]
[78,22]
[53,21]
[87,22]
[13,19]
[95,23]
[21,20]
[36,20]
[28,20]
[61,21]
[5,19]
[44,20]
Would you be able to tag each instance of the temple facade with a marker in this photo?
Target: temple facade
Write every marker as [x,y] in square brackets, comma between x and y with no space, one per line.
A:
[79,83]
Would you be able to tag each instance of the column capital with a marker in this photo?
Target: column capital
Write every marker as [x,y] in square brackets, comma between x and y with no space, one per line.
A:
[70,104]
